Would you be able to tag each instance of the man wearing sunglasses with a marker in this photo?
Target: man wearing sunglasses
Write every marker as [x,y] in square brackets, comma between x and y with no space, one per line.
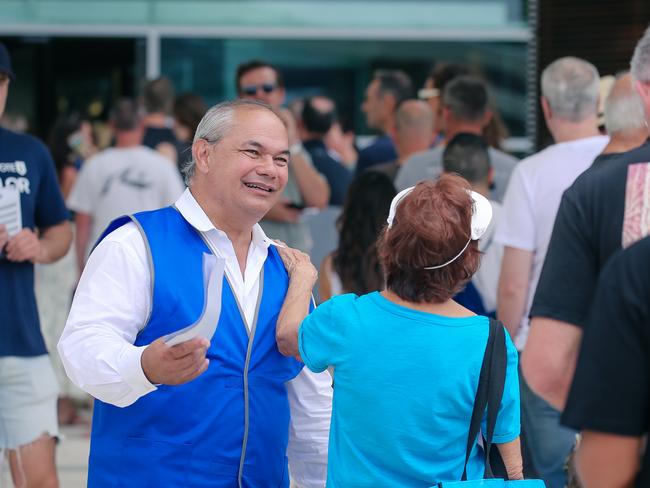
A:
[306,187]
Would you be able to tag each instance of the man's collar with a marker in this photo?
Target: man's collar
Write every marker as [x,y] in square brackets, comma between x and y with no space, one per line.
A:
[197,218]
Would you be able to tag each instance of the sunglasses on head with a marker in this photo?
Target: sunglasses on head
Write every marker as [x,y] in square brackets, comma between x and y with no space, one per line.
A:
[427,93]
[251,90]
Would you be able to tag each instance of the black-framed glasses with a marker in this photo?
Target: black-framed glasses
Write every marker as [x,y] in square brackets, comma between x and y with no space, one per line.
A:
[251,90]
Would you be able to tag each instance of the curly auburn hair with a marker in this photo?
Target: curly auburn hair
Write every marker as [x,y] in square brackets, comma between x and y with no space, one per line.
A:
[432,224]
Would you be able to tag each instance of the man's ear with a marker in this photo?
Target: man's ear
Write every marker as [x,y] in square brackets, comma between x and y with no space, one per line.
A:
[200,153]
[546,108]
[446,115]
[393,133]
[643,89]
[282,93]
[491,176]
[487,116]
[390,102]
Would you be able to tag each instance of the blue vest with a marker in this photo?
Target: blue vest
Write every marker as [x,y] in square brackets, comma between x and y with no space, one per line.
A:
[228,427]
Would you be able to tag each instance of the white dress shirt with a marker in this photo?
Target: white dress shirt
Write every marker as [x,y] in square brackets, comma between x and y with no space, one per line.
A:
[111,306]
[531,203]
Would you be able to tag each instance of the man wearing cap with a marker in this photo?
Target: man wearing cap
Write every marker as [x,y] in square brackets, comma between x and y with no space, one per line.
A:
[28,389]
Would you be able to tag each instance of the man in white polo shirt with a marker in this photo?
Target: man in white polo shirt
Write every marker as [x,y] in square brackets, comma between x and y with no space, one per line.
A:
[570,105]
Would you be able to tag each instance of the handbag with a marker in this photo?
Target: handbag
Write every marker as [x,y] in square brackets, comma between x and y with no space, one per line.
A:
[488,395]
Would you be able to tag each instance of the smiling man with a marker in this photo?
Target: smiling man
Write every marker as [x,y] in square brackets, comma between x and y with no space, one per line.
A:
[202,413]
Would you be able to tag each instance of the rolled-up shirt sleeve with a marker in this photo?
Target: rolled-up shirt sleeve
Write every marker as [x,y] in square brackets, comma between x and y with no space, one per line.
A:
[110,306]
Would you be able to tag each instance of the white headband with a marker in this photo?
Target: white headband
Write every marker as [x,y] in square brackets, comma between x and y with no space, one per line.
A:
[481,217]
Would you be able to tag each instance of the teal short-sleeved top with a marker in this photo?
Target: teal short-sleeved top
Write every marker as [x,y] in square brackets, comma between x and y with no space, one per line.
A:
[404,390]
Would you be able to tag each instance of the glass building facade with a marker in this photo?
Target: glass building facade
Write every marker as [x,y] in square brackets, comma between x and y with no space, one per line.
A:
[82,54]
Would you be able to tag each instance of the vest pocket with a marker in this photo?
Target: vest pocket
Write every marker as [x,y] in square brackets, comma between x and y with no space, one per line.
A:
[149,463]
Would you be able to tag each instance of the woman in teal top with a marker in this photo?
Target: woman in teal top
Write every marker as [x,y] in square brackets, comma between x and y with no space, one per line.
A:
[407,360]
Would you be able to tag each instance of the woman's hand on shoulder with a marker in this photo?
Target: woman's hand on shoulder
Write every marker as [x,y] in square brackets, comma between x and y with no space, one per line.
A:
[298,265]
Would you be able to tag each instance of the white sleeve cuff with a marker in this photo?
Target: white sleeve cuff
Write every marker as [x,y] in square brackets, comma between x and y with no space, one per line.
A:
[129,367]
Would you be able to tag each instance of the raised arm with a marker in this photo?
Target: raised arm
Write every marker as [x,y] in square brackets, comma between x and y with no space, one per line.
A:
[302,277]
[312,185]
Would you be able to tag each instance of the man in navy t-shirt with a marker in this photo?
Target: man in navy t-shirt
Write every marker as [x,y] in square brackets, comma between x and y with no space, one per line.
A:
[384,94]
[28,389]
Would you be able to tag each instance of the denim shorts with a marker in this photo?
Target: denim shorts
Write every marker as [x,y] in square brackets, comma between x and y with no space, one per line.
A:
[28,394]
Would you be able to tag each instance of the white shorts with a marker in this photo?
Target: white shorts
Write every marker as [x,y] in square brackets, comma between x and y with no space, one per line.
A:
[28,393]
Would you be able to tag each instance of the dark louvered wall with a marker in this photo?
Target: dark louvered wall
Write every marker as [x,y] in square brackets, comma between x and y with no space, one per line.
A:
[602,32]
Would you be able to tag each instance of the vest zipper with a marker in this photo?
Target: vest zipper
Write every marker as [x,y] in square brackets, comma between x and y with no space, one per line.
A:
[246,365]
[249,350]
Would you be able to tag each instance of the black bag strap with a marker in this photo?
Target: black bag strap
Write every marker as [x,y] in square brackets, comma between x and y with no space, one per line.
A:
[489,392]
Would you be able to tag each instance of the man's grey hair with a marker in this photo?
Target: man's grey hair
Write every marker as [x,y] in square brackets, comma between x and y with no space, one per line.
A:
[215,125]
[570,85]
[640,64]
[624,111]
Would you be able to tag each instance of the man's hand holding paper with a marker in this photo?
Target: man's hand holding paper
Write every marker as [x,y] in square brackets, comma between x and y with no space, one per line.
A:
[24,246]
[4,236]
[174,365]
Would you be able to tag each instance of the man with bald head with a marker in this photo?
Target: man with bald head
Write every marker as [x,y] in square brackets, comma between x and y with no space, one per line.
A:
[412,134]
[317,118]
[465,109]
[203,413]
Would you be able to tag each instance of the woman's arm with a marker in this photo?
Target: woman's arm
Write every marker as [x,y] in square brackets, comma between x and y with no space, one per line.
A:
[302,277]
[511,455]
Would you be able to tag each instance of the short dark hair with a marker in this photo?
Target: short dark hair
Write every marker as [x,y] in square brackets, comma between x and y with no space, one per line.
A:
[467,155]
[442,74]
[254,64]
[466,97]
[396,83]
[158,95]
[432,224]
[189,109]
[124,115]
[314,120]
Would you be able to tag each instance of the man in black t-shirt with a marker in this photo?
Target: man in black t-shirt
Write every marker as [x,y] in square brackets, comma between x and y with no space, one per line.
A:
[610,397]
[607,207]
[158,100]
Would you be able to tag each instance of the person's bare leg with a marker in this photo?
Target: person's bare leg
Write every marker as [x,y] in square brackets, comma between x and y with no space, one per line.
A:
[33,465]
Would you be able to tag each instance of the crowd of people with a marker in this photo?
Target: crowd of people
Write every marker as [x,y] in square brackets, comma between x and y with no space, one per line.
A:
[454,263]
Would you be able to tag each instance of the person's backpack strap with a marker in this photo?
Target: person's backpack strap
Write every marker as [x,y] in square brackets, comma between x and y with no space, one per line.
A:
[499,363]
[489,392]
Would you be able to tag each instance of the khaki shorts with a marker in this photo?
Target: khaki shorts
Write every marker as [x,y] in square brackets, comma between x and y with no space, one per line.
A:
[28,394]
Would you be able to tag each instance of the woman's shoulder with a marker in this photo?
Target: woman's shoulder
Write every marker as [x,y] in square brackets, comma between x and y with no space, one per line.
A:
[346,308]
[346,300]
